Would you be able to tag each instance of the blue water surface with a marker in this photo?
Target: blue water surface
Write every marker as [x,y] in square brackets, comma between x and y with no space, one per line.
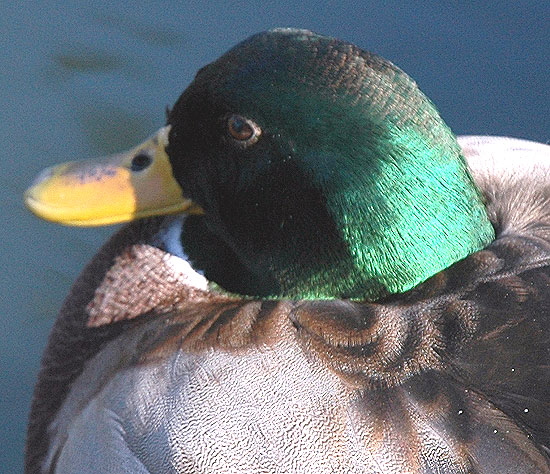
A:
[82,78]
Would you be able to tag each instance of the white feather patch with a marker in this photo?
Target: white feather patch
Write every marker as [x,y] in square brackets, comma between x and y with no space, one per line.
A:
[169,238]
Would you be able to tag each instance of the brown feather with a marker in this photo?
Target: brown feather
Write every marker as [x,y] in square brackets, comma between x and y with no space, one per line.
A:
[465,355]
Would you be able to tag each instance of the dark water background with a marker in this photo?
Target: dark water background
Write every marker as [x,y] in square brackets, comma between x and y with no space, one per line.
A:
[79,79]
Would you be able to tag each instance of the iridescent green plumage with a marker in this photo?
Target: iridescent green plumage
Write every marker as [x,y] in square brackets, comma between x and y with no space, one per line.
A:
[355,189]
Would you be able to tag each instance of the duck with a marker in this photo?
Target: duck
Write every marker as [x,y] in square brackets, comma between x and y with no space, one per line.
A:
[315,275]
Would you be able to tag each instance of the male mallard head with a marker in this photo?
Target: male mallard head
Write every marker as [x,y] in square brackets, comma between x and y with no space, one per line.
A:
[310,169]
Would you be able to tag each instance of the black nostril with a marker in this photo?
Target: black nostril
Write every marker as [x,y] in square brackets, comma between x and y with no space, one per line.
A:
[140,162]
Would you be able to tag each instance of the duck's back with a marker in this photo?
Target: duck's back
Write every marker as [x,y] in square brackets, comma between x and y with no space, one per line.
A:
[451,377]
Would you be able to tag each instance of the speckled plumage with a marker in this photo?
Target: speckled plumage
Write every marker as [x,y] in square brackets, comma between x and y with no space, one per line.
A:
[150,368]
[481,361]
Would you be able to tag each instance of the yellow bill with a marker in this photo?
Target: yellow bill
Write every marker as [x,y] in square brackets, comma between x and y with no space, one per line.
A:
[118,188]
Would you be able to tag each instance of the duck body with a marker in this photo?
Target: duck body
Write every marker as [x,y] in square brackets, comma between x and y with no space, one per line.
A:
[152,368]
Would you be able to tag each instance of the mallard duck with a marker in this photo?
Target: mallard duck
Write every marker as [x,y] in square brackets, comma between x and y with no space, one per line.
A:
[320,278]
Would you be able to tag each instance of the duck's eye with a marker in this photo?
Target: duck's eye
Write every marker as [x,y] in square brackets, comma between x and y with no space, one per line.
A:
[242,129]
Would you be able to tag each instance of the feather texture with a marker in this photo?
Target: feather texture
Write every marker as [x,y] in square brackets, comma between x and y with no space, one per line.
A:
[450,377]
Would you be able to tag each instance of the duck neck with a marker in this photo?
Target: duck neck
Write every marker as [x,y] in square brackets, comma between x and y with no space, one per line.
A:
[423,213]
[372,232]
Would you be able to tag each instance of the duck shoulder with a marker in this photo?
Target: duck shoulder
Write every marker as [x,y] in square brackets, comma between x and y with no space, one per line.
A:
[470,346]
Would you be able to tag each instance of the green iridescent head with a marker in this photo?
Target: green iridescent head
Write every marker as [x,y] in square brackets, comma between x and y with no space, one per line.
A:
[323,172]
